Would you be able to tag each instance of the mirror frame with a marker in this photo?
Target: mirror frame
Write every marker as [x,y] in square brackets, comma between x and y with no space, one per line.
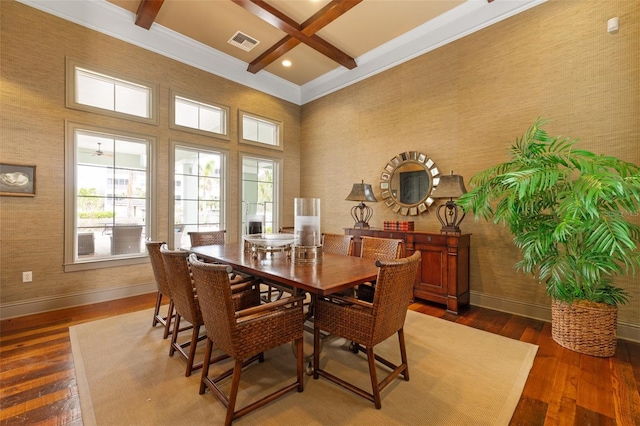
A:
[409,157]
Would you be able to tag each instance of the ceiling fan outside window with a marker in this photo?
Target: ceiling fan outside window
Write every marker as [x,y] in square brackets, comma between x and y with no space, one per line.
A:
[101,153]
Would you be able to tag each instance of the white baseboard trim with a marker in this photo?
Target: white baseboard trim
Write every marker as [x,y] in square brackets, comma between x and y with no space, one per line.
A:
[46,304]
[625,330]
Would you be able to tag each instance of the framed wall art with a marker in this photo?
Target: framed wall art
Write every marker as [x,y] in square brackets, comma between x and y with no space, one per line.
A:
[17,180]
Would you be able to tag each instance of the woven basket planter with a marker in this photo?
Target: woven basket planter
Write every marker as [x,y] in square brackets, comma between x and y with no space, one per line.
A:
[585,327]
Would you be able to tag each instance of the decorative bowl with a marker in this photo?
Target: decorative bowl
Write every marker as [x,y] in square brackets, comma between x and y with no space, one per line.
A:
[270,240]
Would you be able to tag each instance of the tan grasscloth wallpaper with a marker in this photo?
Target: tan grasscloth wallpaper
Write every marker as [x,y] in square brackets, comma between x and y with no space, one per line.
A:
[465,103]
[33,51]
[462,104]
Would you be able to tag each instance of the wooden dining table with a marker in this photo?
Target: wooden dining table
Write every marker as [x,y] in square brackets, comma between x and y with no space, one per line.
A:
[332,274]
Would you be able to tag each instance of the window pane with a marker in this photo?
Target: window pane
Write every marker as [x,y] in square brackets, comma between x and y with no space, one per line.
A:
[209,164]
[189,187]
[250,129]
[265,172]
[209,188]
[131,155]
[186,113]
[209,212]
[133,100]
[189,212]
[266,133]
[94,92]
[185,161]
[211,120]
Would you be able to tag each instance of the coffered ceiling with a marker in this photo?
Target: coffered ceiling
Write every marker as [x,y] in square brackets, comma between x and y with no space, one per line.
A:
[329,43]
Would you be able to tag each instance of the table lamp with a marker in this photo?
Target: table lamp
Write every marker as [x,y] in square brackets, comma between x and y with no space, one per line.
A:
[450,214]
[361,213]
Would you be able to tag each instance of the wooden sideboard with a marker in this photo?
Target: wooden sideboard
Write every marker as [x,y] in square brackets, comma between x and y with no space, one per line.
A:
[444,270]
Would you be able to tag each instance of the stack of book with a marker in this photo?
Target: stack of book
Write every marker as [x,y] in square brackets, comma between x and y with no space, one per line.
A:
[398,225]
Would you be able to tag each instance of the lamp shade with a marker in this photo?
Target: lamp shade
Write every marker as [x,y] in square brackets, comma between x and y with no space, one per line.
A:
[361,192]
[450,186]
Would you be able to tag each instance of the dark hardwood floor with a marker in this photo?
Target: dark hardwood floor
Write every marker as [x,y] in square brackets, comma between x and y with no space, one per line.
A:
[38,382]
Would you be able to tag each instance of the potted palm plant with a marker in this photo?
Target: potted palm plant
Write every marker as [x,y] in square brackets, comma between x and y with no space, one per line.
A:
[568,211]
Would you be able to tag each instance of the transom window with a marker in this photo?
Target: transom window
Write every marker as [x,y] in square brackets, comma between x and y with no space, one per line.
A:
[199,116]
[258,130]
[198,191]
[109,196]
[107,92]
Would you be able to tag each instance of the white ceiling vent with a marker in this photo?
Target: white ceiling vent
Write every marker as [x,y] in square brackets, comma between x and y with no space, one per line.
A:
[243,41]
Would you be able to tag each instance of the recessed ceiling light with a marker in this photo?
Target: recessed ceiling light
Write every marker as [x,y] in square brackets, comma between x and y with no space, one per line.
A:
[286,63]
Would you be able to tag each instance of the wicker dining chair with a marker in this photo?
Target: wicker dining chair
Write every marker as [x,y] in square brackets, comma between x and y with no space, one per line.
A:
[207,238]
[187,307]
[338,244]
[377,249]
[244,335]
[157,264]
[368,324]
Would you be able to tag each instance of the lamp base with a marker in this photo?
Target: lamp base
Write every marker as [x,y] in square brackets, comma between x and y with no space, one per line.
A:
[451,219]
[450,230]
[361,215]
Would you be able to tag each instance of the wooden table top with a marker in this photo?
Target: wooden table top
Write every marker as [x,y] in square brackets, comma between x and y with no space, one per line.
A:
[334,273]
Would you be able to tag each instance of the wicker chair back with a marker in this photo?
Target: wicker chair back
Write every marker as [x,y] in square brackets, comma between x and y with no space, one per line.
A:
[207,238]
[181,286]
[338,244]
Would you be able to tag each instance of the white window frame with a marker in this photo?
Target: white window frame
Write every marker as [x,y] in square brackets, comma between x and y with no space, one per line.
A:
[277,192]
[278,142]
[205,103]
[72,262]
[224,186]
[115,78]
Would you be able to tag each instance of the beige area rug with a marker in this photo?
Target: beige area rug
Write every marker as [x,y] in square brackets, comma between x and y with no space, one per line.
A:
[459,376]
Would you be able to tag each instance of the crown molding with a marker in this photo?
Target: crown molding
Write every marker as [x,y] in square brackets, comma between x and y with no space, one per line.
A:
[465,19]
[104,17]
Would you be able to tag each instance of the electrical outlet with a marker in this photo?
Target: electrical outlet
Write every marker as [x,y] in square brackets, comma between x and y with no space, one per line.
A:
[27,277]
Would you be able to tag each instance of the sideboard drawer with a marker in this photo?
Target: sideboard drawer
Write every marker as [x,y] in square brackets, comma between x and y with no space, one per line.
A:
[399,235]
[434,239]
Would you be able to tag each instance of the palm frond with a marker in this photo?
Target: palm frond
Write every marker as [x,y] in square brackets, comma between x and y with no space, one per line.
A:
[567,209]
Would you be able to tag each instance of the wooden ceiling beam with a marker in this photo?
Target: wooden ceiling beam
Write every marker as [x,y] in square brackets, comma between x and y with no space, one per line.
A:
[272,54]
[296,33]
[147,12]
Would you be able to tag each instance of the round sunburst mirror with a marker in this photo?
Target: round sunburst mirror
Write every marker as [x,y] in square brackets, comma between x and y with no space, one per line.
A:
[407,183]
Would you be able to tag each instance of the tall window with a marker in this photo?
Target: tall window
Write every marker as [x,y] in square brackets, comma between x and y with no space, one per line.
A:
[109,195]
[95,89]
[198,191]
[257,130]
[199,116]
[260,204]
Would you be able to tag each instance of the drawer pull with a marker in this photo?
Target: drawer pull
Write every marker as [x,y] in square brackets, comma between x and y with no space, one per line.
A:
[429,238]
